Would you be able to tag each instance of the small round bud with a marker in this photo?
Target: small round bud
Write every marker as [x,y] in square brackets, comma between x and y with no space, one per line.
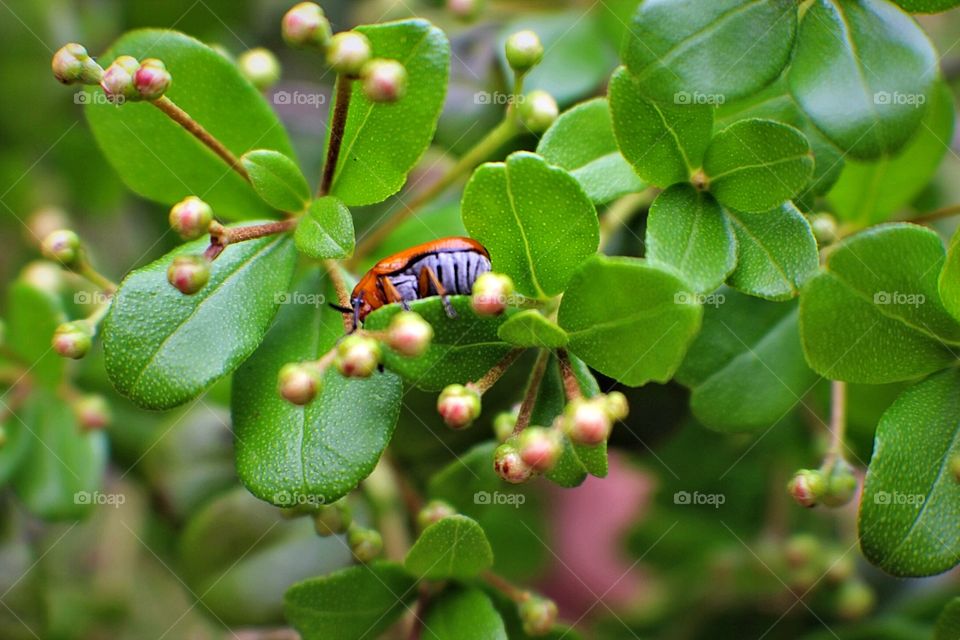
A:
[840,568]
[384,80]
[305,25]
[348,52]
[824,228]
[72,64]
[92,412]
[298,383]
[503,425]
[491,293]
[191,217]
[358,356]
[73,339]
[433,512]
[807,487]
[459,406]
[540,448]
[330,520]
[841,485]
[43,275]
[189,273]
[509,465]
[409,334]
[524,51]
[366,544]
[955,466]
[260,67]
[587,422]
[62,246]
[855,599]
[538,616]
[538,111]
[802,550]
[617,406]
[152,79]
[466,10]
[118,80]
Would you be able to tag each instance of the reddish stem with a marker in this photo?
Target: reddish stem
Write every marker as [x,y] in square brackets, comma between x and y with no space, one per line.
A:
[338,125]
[181,117]
[491,377]
[533,388]
[571,386]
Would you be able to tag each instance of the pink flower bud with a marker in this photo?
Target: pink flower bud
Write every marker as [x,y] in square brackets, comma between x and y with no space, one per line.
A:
[538,616]
[191,217]
[433,512]
[348,52]
[260,67]
[152,79]
[807,487]
[540,448]
[118,82]
[366,544]
[62,246]
[409,334]
[357,356]
[466,10]
[587,422]
[491,294]
[189,273]
[459,406]
[509,465]
[72,64]
[298,383]
[92,412]
[305,25]
[73,339]
[384,80]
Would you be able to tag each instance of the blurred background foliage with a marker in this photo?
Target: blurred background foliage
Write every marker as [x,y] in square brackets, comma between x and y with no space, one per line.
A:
[190,554]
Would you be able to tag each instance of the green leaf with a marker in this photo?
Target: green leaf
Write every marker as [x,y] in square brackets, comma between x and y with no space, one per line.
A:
[868,192]
[718,50]
[530,328]
[948,284]
[326,231]
[778,252]
[14,451]
[927,6]
[665,143]
[62,473]
[383,142]
[464,613]
[156,157]
[32,317]
[745,338]
[351,604]
[911,501]
[463,348]
[948,624]
[755,165]
[581,141]
[163,348]
[869,318]
[629,319]
[322,451]
[860,72]
[453,548]
[535,220]
[687,230]
[277,179]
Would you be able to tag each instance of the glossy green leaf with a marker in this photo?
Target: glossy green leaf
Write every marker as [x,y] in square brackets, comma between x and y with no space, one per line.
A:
[277,179]
[350,604]
[14,451]
[163,348]
[745,338]
[869,192]
[318,453]
[911,500]
[718,50]
[326,231]
[629,319]
[862,71]
[948,624]
[464,613]
[463,348]
[531,328]
[869,318]
[453,548]
[948,283]
[688,231]
[927,6]
[664,142]
[62,474]
[32,317]
[535,220]
[777,252]
[581,141]
[156,157]
[383,142]
[755,165]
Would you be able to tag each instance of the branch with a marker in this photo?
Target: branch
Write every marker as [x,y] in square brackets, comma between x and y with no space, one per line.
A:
[341,110]
[183,118]
[533,387]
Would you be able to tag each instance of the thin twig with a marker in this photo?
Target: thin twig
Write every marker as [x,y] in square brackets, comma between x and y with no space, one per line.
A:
[181,117]
[341,109]
[504,586]
[490,377]
[838,423]
[423,600]
[340,286]
[571,386]
[533,388]
[939,214]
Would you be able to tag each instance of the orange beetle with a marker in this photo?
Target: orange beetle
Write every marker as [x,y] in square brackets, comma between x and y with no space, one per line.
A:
[448,266]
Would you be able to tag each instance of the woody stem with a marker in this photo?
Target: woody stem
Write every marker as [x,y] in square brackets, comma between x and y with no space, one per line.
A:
[181,117]
[338,125]
[490,377]
[533,388]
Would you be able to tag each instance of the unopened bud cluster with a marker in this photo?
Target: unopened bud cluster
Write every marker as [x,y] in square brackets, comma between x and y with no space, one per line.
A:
[459,405]
[832,487]
[491,294]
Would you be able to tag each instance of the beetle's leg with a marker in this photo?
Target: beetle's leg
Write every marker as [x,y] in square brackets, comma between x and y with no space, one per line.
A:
[393,295]
[428,275]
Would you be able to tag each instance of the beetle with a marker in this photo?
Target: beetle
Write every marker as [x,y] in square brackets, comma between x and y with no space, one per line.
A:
[448,266]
